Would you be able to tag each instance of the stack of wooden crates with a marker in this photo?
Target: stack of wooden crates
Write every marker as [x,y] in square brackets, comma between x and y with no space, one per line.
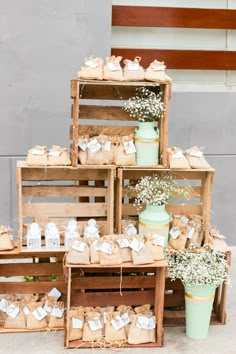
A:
[97,191]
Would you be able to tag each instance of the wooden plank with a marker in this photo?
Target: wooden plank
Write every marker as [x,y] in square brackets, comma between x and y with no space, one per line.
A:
[104,112]
[150,16]
[174,300]
[31,269]
[114,282]
[195,192]
[131,210]
[133,173]
[159,303]
[93,130]
[183,59]
[79,344]
[64,209]
[38,287]
[63,190]
[173,285]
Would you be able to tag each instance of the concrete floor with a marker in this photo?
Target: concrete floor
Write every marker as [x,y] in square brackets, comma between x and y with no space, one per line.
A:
[221,339]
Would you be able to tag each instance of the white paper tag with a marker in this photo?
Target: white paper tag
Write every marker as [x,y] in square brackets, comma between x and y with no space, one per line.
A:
[94,145]
[133,66]
[123,242]
[3,305]
[178,155]
[151,324]
[136,244]
[39,313]
[190,232]
[95,324]
[97,245]
[38,152]
[145,323]
[79,246]
[158,240]
[54,153]
[26,310]
[82,145]
[56,312]
[117,323]
[77,322]
[54,293]
[184,219]
[131,230]
[196,153]
[107,247]
[129,147]
[174,232]
[113,65]
[12,310]
[91,64]
[125,318]
[107,146]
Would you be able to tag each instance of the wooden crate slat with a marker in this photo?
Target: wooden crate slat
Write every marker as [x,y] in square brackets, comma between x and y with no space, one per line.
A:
[194,193]
[130,209]
[93,130]
[36,287]
[150,16]
[63,190]
[64,209]
[134,174]
[31,269]
[112,113]
[174,300]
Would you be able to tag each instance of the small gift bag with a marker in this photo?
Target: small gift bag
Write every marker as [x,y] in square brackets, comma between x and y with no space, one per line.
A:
[91,230]
[71,233]
[99,151]
[56,318]
[6,243]
[125,313]
[196,159]
[155,243]
[15,317]
[33,236]
[133,71]
[76,323]
[177,158]
[35,315]
[115,327]
[125,250]
[178,236]
[58,156]
[79,253]
[141,253]
[93,69]
[195,230]
[37,156]
[156,72]
[83,149]
[124,151]
[112,71]
[142,329]
[93,327]
[109,251]
[52,236]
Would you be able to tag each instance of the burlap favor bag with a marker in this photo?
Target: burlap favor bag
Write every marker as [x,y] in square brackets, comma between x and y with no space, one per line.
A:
[58,156]
[56,318]
[196,159]
[76,323]
[155,243]
[92,330]
[195,230]
[36,318]
[109,251]
[177,158]
[78,253]
[37,156]
[83,149]
[125,251]
[94,251]
[5,238]
[93,69]
[15,317]
[156,72]
[115,327]
[141,253]
[143,309]
[124,151]
[99,151]
[178,236]
[125,313]
[142,329]
[133,71]
[112,71]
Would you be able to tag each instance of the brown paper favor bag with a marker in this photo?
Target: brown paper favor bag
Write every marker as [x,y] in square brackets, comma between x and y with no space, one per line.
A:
[97,152]
[78,253]
[112,71]
[140,335]
[132,70]
[179,243]
[56,320]
[93,69]
[125,250]
[196,159]
[17,322]
[141,253]
[31,321]
[112,333]
[37,156]
[76,318]
[111,258]
[58,156]
[156,72]
[92,320]
[156,249]
[5,239]
[177,158]
[121,157]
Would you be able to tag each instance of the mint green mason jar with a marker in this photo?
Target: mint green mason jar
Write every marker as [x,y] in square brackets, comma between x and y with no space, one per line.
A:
[147,144]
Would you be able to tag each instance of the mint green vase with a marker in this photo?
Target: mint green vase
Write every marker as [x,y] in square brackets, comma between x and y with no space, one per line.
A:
[198,308]
[154,218]
[147,144]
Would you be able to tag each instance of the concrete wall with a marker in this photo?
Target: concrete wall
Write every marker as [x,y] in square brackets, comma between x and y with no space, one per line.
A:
[42,45]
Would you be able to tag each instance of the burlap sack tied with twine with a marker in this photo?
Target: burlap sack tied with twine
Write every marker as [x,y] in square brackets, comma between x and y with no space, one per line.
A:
[99,151]
[156,72]
[56,317]
[217,240]
[141,253]
[124,151]
[196,159]
[15,317]
[142,329]
[177,158]
[109,251]
[37,156]
[92,330]
[195,230]
[34,319]
[133,71]
[83,149]
[58,156]
[93,69]
[125,251]
[6,243]
[76,323]
[112,71]
[178,235]
[125,312]
[155,243]
[114,327]
[78,253]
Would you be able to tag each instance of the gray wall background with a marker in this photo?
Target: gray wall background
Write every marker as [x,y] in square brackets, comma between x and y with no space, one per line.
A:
[42,46]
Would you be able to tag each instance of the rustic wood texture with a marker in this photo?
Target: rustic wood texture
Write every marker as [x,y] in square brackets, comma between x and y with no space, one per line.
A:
[149,16]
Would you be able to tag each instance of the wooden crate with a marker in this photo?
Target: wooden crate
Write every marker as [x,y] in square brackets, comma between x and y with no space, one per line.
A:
[46,274]
[97,109]
[61,193]
[115,286]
